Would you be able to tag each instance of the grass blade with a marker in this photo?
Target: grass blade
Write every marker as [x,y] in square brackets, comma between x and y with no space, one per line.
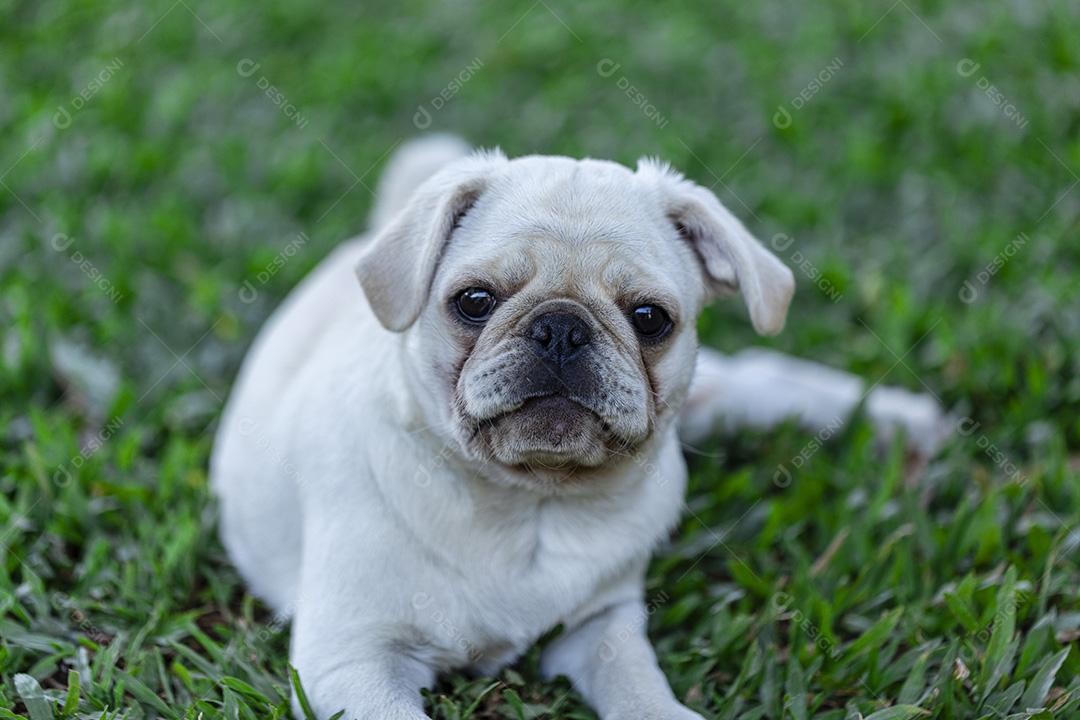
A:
[71,700]
[301,696]
[795,687]
[915,682]
[1001,635]
[898,712]
[33,697]
[1043,681]
[876,634]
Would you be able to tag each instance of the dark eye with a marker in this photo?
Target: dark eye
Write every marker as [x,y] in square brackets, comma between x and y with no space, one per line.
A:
[475,304]
[650,321]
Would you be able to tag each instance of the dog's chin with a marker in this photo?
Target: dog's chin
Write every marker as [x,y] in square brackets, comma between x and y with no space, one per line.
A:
[547,439]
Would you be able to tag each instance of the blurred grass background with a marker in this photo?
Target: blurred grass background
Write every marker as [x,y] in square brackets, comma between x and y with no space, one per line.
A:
[159,160]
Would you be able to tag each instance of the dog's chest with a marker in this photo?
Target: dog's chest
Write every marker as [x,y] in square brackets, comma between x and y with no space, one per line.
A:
[502,609]
[515,578]
[489,569]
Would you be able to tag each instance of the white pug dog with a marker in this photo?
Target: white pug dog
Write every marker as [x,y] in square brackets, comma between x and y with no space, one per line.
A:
[483,444]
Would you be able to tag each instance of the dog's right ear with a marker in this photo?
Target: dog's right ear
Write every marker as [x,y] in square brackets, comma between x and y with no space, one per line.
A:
[396,270]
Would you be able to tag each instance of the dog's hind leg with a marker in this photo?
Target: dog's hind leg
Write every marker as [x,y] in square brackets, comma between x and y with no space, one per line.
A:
[761,388]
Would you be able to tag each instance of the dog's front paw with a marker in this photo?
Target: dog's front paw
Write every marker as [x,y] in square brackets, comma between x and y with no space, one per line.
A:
[674,711]
[680,712]
[683,713]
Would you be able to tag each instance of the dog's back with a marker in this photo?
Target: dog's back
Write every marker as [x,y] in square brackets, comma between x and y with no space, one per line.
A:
[251,472]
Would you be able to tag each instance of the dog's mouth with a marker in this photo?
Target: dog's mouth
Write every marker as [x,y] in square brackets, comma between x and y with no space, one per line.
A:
[547,433]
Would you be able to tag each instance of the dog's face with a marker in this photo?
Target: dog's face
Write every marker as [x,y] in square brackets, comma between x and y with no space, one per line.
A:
[551,306]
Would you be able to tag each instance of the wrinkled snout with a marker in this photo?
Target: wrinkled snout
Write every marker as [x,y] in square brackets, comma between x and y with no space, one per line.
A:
[552,391]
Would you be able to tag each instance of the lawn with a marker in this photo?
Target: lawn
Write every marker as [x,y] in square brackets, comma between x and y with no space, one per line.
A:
[169,170]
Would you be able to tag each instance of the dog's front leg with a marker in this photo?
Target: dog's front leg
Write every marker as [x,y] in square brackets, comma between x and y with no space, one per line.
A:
[609,660]
[368,680]
[353,644]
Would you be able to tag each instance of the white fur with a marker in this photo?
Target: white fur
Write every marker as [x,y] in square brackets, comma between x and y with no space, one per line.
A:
[349,503]
[760,388]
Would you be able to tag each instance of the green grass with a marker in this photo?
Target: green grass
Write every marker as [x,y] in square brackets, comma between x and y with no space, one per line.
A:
[129,228]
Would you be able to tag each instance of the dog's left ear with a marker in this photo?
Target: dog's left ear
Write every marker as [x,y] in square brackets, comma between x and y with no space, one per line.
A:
[396,270]
[733,260]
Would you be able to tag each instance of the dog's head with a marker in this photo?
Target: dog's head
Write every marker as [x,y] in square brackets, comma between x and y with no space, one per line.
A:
[551,303]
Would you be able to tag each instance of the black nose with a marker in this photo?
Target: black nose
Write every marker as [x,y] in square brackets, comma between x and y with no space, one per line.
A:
[559,336]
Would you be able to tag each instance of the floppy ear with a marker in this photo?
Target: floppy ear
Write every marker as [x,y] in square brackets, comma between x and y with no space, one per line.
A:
[730,256]
[397,268]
